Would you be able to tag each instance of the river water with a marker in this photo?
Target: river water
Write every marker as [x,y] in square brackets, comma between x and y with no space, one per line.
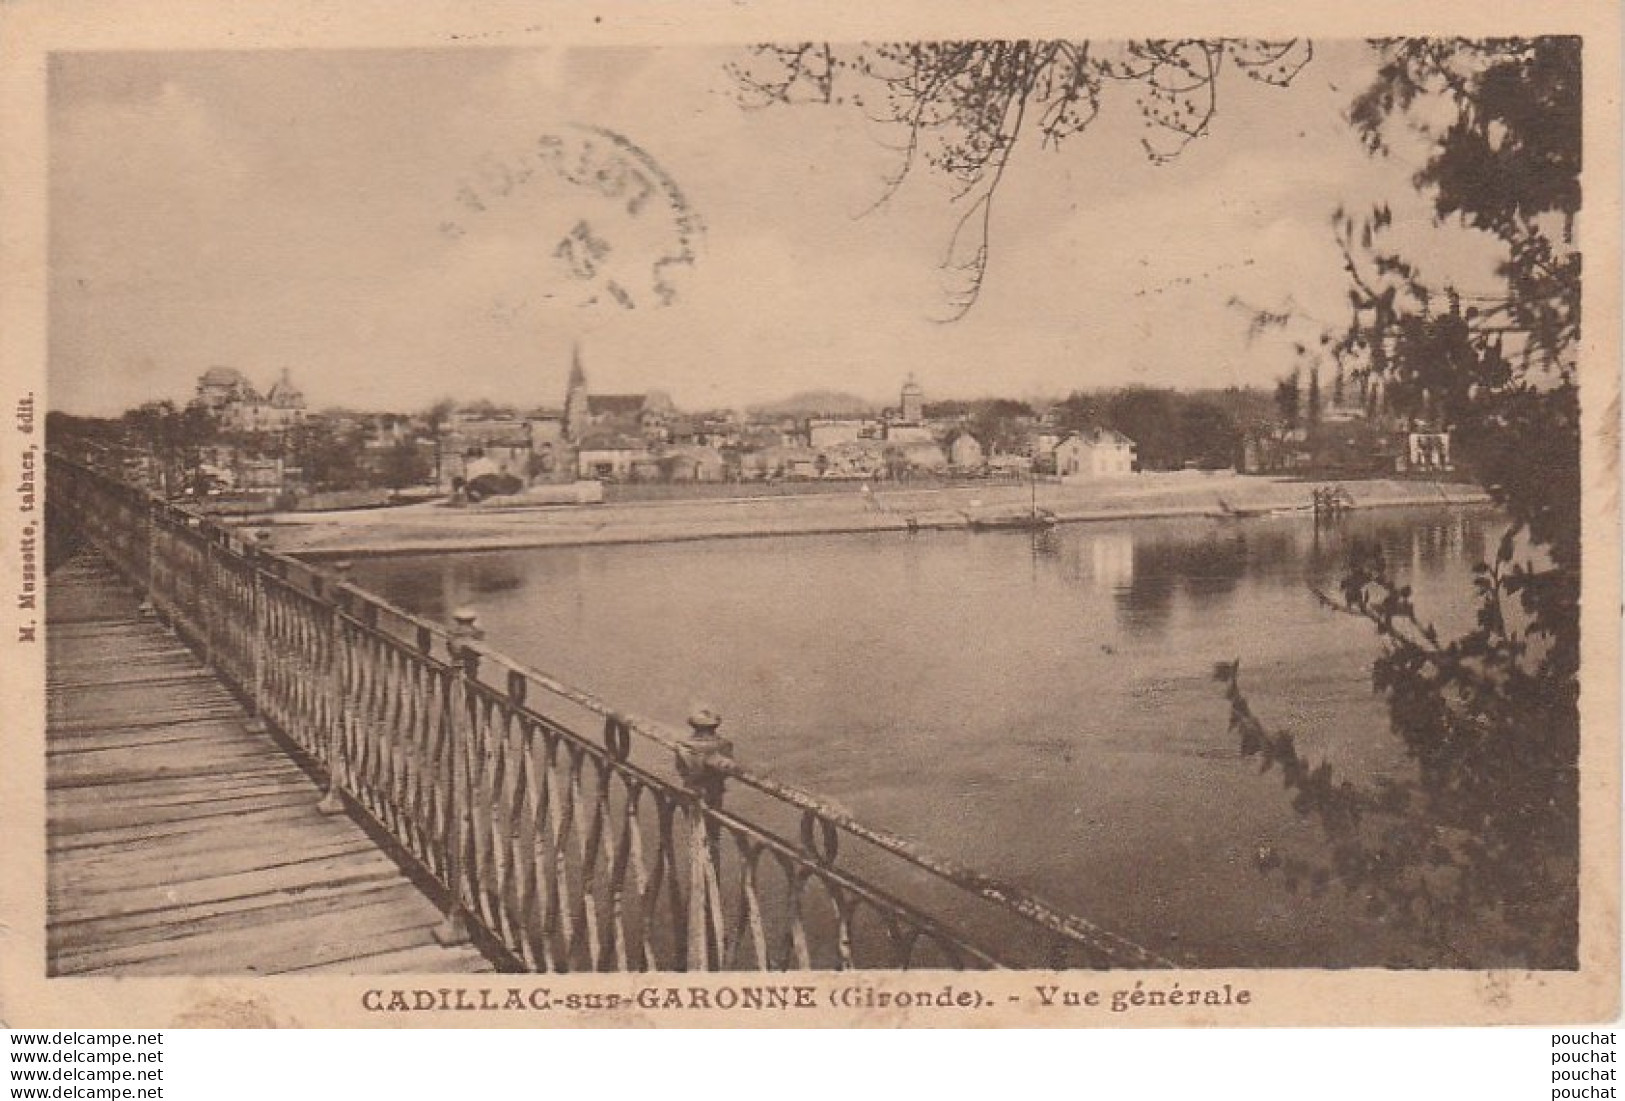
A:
[1040,707]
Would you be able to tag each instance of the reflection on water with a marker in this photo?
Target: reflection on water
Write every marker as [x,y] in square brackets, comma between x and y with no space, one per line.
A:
[1036,704]
[1147,569]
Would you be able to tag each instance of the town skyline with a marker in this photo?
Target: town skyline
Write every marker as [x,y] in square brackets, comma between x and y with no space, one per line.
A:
[216,209]
[234,435]
[840,402]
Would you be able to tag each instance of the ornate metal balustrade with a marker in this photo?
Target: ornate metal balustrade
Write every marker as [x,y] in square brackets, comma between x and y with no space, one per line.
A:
[563,833]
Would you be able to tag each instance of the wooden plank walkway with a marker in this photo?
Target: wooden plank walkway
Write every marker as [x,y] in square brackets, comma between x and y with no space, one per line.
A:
[182,840]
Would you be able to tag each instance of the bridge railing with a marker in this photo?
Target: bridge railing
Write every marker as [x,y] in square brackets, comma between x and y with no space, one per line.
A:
[559,831]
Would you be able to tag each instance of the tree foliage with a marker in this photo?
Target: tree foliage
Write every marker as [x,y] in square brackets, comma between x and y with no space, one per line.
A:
[1209,435]
[329,455]
[1078,411]
[405,464]
[1289,400]
[173,438]
[1479,852]
[1000,424]
[1151,418]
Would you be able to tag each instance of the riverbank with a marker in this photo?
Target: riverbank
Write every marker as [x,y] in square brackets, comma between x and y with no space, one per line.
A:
[437,527]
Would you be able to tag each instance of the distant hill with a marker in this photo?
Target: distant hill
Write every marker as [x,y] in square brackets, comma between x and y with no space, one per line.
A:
[815,403]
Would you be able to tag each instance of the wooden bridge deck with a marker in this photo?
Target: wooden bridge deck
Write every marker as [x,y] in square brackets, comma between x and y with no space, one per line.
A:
[182,840]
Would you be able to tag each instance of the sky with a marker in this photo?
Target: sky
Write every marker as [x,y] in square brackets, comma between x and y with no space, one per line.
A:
[394,227]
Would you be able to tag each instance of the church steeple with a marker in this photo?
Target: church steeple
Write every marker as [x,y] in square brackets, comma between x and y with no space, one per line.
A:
[575,398]
[578,377]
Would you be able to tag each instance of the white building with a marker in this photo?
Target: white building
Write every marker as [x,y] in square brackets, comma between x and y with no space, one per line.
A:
[1428,451]
[1096,453]
[965,452]
[610,455]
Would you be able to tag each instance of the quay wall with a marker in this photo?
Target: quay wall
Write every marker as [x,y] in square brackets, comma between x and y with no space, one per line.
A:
[435,527]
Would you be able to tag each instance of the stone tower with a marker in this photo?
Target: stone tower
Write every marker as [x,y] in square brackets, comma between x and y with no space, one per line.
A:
[913,403]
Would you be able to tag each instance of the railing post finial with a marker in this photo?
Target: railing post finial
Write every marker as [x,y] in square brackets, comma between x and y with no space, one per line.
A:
[465,631]
[465,623]
[702,756]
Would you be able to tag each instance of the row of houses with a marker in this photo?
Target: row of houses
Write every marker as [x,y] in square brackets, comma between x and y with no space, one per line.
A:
[536,450]
[771,455]
[644,437]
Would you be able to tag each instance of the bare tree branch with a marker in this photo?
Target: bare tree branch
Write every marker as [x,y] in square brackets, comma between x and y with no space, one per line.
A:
[965,106]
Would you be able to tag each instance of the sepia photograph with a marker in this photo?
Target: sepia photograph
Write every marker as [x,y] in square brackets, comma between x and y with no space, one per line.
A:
[858,516]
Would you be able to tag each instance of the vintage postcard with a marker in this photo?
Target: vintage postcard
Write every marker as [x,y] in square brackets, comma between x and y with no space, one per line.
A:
[570,515]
